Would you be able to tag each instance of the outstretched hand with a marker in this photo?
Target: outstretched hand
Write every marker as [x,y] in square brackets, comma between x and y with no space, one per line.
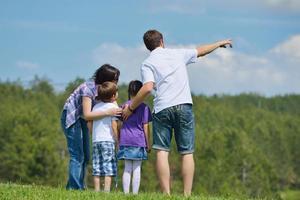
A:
[223,43]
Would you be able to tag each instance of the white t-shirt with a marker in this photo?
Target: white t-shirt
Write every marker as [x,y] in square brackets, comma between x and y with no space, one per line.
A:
[102,128]
[167,69]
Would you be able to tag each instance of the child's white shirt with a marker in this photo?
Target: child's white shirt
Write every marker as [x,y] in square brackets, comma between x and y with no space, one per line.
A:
[102,128]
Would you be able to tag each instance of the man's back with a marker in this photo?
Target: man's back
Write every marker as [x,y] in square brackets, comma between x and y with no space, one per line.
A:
[167,69]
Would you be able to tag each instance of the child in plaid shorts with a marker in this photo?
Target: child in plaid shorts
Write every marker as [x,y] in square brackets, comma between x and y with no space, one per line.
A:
[105,134]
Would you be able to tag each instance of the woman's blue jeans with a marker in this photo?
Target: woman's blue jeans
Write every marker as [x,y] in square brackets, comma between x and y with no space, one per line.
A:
[77,137]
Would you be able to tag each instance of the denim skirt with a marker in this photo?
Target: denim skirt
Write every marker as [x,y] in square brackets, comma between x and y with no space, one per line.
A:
[132,153]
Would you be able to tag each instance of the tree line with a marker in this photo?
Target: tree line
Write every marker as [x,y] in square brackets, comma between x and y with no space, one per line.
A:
[246,145]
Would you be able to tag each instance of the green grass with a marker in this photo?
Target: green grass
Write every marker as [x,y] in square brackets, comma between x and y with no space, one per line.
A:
[290,195]
[32,192]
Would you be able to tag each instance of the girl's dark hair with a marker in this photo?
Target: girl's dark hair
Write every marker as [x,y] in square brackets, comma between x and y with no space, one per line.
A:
[152,39]
[134,87]
[106,72]
[106,91]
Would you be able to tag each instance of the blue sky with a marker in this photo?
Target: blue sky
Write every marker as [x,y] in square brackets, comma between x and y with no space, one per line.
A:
[65,39]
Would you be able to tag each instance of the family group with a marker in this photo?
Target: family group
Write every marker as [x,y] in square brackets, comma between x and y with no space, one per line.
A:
[122,132]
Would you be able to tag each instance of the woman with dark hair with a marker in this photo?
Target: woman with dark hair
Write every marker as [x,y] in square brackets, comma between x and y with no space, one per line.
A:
[76,112]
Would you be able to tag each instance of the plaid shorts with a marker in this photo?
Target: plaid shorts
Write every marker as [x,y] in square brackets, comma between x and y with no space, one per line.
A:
[104,159]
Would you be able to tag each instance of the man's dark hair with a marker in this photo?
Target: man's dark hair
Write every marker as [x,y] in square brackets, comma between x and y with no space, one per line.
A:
[106,72]
[106,91]
[134,87]
[152,39]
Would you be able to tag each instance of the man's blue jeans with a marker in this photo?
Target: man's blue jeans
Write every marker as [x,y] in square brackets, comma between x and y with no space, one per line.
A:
[179,118]
[78,145]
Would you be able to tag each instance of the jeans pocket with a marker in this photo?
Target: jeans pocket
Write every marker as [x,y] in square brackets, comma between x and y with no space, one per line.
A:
[162,116]
[186,116]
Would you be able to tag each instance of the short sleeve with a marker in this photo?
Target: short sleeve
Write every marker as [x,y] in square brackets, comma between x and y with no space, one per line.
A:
[147,74]
[147,117]
[114,118]
[87,91]
[190,56]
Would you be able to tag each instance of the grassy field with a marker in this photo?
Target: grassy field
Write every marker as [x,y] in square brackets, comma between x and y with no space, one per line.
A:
[290,195]
[11,191]
[32,192]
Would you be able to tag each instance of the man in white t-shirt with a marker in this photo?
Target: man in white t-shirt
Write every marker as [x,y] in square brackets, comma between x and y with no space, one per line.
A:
[165,72]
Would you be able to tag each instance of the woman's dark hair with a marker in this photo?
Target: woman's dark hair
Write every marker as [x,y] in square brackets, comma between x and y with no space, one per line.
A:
[152,39]
[106,91]
[106,72]
[134,87]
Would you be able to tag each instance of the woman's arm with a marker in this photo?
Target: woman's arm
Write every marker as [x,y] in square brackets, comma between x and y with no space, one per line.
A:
[88,114]
[147,133]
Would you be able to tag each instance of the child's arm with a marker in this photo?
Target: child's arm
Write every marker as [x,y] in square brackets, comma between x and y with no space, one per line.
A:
[114,125]
[147,134]
[120,123]
[90,126]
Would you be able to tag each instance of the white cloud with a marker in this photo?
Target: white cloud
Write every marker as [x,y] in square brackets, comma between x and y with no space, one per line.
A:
[277,5]
[223,71]
[233,72]
[127,59]
[283,4]
[27,65]
[289,48]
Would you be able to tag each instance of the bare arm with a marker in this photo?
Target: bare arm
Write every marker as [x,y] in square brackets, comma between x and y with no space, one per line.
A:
[206,49]
[138,99]
[120,123]
[90,126]
[88,114]
[147,136]
[114,125]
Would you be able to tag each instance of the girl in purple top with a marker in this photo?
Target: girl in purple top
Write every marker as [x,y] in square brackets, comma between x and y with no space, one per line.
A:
[76,112]
[134,140]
